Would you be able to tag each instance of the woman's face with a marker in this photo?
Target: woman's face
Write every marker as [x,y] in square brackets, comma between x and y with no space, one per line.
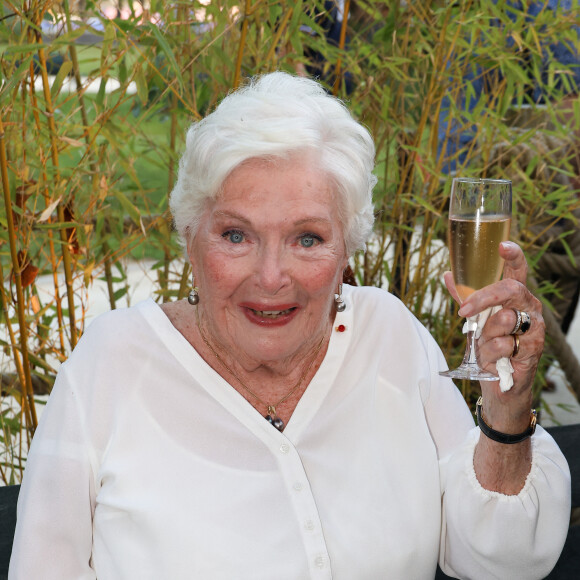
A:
[267,258]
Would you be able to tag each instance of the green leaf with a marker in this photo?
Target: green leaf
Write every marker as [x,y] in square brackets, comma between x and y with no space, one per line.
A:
[39,362]
[19,74]
[120,292]
[128,206]
[63,72]
[166,49]
[57,225]
[102,91]
[20,48]
[123,74]
[569,251]
[108,38]
[142,88]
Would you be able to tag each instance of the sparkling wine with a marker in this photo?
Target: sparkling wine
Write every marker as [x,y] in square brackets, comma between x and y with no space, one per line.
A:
[474,253]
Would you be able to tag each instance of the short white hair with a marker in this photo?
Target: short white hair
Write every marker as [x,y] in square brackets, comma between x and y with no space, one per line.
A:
[274,116]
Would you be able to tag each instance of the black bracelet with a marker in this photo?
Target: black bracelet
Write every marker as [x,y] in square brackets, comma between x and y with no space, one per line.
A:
[504,437]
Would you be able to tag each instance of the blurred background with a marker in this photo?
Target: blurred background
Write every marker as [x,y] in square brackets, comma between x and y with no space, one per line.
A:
[95,99]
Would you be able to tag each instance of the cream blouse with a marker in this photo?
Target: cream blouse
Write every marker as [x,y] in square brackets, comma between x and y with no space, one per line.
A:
[148,465]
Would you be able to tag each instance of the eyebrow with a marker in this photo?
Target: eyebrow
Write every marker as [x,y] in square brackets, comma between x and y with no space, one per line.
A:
[310,220]
[229,215]
[300,222]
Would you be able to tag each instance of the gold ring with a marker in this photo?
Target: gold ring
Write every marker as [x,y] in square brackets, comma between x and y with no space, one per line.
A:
[516,345]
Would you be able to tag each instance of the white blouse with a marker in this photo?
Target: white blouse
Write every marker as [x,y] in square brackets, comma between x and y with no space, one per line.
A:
[149,465]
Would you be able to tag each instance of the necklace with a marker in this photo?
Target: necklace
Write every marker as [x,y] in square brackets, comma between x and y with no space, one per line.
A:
[271,415]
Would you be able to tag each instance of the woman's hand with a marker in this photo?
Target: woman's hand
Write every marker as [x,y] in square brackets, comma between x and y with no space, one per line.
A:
[508,412]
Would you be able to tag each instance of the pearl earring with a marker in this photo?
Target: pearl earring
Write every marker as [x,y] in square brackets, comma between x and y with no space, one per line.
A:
[193,297]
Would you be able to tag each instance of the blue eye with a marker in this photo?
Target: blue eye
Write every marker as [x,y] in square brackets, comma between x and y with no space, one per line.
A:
[234,236]
[309,240]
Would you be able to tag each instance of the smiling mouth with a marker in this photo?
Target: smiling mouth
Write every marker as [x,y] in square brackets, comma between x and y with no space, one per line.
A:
[272,313]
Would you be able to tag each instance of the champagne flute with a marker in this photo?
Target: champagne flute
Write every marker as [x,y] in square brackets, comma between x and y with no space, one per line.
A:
[479,219]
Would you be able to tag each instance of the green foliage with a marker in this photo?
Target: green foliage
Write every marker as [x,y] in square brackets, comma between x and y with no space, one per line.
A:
[89,158]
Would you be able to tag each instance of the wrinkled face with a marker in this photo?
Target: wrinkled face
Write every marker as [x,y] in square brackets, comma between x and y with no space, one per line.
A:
[267,258]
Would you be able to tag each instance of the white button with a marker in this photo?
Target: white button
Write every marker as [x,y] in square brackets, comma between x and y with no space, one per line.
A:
[297,486]
[319,562]
[284,448]
[309,525]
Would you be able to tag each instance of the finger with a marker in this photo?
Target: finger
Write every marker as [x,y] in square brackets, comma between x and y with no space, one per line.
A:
[448,279]
[500,324]
[515,265]
[508,293]
[524,358]
[498,347]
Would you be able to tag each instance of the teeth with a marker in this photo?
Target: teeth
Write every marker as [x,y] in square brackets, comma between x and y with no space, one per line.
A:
[271,313]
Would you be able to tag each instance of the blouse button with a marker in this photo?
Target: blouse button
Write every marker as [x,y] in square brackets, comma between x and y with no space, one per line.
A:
[319,562]
[284,448]
[297,486]
[309,525]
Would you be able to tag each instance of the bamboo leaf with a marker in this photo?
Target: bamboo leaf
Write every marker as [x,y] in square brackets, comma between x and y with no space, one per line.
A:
[45,215]
[102,92]
[166,49]
[40,362]
[108,40]
[569,252]
[72,142]
[142,88]
[120,292]
[62,73]
[18,75]
[129,207]
[58,225]
[20,48]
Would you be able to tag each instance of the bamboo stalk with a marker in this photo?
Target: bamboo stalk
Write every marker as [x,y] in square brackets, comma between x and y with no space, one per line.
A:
[24,405]
[77,76]
[66,256]
[276,38]
[46,195]
[164,273]
[342,41]
[184,281]
[26,382]
[241,45]
[109,277]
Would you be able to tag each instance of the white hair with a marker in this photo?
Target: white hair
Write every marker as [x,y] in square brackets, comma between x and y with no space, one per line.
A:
[274,116]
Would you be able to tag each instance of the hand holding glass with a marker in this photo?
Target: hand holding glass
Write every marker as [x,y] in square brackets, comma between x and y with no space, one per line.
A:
[479,220]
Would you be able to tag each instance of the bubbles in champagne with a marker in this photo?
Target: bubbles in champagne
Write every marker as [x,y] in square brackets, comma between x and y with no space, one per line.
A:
[474,251]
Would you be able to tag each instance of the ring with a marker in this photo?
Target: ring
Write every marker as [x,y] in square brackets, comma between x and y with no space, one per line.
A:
[523,322]
[516,345]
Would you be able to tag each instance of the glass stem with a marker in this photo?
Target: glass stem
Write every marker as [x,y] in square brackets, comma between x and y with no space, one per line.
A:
[470,357]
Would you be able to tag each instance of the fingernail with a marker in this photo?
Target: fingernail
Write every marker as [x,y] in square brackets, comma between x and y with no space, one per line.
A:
[465,311]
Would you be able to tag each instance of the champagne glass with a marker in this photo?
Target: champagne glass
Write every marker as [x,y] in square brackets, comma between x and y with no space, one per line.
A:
[479,219]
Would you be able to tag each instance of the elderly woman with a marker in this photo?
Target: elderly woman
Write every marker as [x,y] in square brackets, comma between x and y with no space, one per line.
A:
[277,423]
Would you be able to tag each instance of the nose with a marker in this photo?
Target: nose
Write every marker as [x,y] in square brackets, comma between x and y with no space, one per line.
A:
[272,270]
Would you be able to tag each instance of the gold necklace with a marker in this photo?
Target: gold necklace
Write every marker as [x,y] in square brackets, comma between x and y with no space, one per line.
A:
[271,416]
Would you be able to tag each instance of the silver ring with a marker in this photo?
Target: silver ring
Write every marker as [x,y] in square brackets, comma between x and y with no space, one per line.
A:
[523,322]
[518,321]
[526,322]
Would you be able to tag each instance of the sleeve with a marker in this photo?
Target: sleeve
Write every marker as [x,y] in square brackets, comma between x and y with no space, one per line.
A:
[53,538]
[486,534]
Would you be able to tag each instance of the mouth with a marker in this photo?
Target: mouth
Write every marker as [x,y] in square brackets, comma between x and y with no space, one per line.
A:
[273,314]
